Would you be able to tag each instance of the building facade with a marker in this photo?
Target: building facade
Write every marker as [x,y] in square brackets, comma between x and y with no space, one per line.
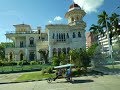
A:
[57,38]
[103,41]
[90,39]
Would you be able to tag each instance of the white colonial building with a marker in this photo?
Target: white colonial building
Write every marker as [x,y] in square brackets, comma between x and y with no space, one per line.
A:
[57,38]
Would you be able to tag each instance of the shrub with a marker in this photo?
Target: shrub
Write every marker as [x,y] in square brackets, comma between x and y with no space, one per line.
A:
[55,61]
[33,63]
[49,70]
[20,63]
[1,63]
[25,62]
[43,71]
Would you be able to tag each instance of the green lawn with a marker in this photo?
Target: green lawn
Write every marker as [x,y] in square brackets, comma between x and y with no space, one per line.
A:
[33,76]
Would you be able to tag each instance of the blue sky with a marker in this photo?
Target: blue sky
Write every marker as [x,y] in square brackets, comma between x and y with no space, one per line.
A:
[42,12]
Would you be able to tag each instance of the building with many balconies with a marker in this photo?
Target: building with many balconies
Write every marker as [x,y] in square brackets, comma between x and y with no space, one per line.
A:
[57,38]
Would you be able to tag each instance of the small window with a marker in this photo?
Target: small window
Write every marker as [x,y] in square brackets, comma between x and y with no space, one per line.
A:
[79,34]
[73,34]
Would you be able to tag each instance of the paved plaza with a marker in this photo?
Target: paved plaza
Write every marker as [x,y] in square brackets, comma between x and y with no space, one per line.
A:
[108,82]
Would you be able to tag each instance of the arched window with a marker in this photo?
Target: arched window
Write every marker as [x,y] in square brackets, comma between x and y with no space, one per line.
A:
[72,19]
[54,51]
[67,35]
[21,56]
[64,50]
[73,34]
[79,34]
[77,18]
[21,44]
[59,51]
[64,37]
[11,56]
[68,49]
[38,31]
[31,55]
[57,36]
[31,41]
[39,37]
[53,36]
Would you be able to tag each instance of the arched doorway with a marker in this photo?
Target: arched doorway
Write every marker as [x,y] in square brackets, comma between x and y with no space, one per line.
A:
[31,56]
[21,56]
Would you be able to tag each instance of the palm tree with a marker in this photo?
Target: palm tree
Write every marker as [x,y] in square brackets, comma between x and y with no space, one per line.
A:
[97,30]
[104,21]
[110,24]
[114,20]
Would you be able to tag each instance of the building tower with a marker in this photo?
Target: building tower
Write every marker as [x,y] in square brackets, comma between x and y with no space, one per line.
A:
[75,15]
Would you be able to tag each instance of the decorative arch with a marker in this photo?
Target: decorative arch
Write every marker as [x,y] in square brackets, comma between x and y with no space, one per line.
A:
[11,55]
[21,55]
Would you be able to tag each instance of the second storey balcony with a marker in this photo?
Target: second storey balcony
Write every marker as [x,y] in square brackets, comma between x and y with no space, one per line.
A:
[13,34]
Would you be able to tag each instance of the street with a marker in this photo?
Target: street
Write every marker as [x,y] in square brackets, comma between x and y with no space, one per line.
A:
[108,82]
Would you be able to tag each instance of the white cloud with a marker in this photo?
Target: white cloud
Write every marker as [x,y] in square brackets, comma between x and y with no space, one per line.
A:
[89,5]
[57,18]
[49,21]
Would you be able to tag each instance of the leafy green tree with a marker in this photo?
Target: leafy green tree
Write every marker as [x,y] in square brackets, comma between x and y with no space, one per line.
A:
[45,55]
[62,58]
[81,57]
[2,52]
[55,61]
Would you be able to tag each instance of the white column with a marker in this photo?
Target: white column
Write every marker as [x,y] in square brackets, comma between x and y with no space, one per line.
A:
[50,52]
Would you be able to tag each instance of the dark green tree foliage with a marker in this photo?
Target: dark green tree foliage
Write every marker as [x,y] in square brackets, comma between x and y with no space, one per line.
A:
[2,52]
[55,60]
[81,57]
[62,58]
[44,54]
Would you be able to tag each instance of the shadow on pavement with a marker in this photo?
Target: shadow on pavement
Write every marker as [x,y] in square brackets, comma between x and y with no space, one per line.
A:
[77,81]
[82,81]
